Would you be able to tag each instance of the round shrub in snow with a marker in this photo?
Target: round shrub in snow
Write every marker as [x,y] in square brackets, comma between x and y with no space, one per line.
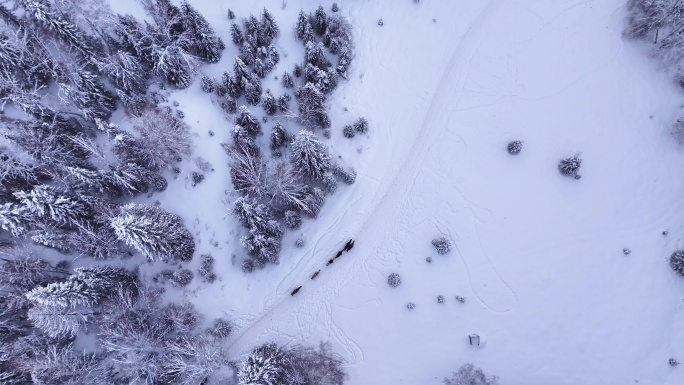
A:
[335,8]
[181,277]
[348,131]
[673,362]
[394,280]
[299,242]
[570,166]
[442,244]
[515,147]
[460,299]
[428,259]
[410,305]
[677,262]
[440,299]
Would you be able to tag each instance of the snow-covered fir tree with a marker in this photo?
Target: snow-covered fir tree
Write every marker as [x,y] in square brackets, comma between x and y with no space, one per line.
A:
[46,203]
[236,34]
[204,44]
[155,233]
[58,321]
[279,136]
[246,119]
[71,293]
[268,29]
[309,155]
[265,365]
[319,20]
[312,112]
[269,103]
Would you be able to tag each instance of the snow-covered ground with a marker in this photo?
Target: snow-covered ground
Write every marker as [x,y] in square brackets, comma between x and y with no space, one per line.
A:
[445,85]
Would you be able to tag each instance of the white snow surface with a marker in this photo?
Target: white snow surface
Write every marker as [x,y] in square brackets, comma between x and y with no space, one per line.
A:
[537,255]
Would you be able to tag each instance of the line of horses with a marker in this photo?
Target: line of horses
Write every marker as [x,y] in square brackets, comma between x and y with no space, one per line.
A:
[347,246]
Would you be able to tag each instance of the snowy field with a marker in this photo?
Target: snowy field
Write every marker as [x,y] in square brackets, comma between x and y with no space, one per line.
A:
[538,256]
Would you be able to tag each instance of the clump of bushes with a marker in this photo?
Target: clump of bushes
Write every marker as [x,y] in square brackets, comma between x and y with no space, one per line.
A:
[570,166]
[442,245]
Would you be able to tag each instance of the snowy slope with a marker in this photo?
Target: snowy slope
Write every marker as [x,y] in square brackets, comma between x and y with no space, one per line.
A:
[538,256]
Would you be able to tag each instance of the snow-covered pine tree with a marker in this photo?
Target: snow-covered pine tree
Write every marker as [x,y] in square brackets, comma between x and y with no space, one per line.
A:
[329,182]
[312,112]
[314,53]
[252,25]
[244,141]
[269,103]
[233,84]
[319,21]
[61,365]
[268,29]
[254,215]
[57,321]
[46,203]
[71,293]
[15,219]
[262,246]
[205,44]
[236,34]
[155,233]
[300,25]
[260,68]
[253,91]
[125,71]
[289,192]
[309,156]
[264,365]
[338,35]
[279,136]
[42,11]
[287,81]
[245,119]
[89,94]
[26,270]
[164,135]
[247,171]
[174,64]
[283,102]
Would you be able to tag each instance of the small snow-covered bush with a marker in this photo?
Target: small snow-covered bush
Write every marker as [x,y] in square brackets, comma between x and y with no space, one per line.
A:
[292,219]
[570,166]
[181,277]
[394,280]
[410,305]
[247,265]
[428,259]
[335,8]
[515,147]
[348,132]
[440,299]
[206,269]
[329,182]
[208,84]
[299,242]
[468,374]
[677,262]
[442,244]
[673,362]
[460,299]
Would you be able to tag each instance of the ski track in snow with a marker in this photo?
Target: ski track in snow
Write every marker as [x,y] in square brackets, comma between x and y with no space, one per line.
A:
[316,296]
